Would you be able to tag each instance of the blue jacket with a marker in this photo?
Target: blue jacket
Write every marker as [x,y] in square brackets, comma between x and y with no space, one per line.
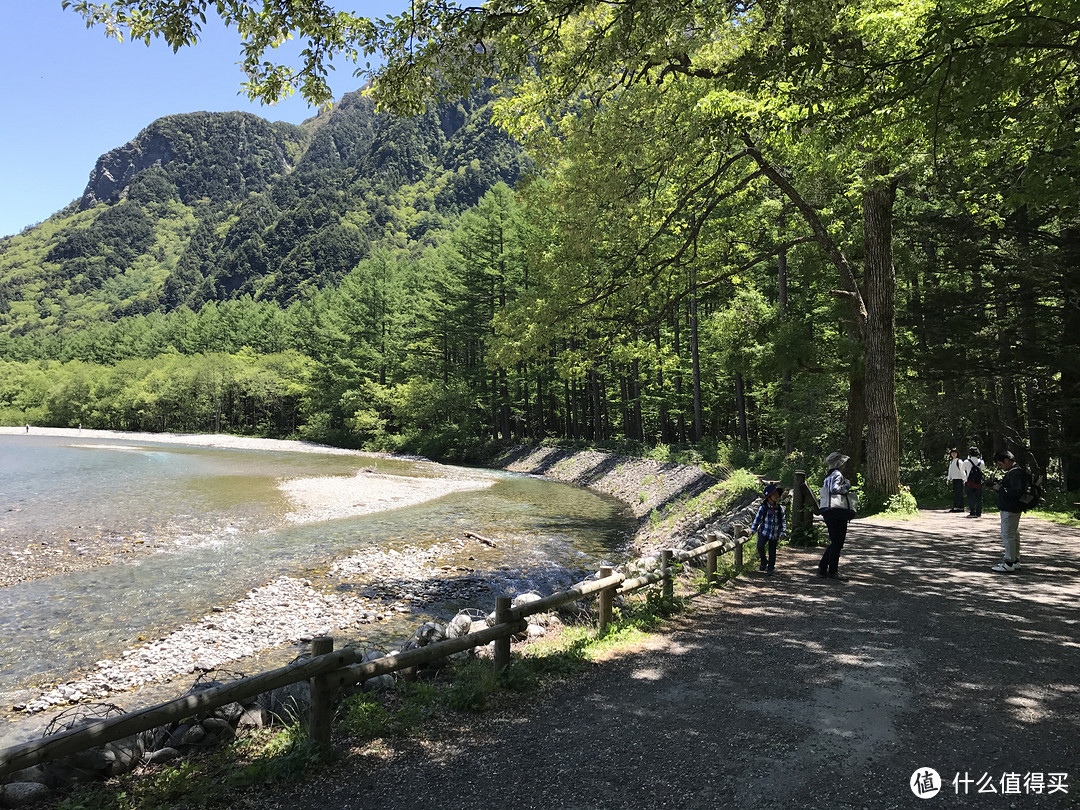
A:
[769,521]
[834,484]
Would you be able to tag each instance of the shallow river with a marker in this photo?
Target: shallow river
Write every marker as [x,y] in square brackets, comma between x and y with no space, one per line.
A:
[219,518]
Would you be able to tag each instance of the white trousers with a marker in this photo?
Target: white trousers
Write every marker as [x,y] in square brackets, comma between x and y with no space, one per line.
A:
[1010,535]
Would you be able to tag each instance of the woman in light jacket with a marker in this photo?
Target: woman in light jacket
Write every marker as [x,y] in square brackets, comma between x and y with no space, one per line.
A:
[836,517]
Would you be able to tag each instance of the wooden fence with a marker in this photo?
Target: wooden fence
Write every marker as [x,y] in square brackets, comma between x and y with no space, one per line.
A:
[328,670]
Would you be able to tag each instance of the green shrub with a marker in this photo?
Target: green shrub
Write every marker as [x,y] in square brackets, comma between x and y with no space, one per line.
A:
[808,536]
[902,504]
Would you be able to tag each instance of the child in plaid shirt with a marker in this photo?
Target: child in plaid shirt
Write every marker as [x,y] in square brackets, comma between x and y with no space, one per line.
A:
[769,525]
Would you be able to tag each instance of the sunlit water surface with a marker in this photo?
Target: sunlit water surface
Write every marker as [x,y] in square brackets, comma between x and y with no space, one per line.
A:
[218,515]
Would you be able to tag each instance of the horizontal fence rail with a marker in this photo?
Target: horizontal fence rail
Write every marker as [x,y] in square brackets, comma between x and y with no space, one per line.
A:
[329,670]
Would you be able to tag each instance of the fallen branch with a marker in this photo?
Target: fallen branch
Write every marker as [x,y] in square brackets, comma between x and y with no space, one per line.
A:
[483,540]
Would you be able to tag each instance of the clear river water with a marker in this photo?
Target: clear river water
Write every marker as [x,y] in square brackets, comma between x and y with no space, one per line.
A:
[218,517]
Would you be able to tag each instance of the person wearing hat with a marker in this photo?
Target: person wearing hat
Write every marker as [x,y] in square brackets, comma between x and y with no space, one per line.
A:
[769,525]
[835,512]
[1008,490]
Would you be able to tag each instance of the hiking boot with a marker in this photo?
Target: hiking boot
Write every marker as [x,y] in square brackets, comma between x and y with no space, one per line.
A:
[1004,568]
[762,567]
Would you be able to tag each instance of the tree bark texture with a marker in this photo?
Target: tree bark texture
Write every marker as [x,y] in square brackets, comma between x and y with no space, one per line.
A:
[882,419]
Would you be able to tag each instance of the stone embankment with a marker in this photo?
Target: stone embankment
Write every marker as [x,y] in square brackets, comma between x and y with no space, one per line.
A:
[672,502]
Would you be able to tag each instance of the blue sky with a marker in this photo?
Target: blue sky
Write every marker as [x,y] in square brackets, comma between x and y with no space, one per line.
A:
[70,94]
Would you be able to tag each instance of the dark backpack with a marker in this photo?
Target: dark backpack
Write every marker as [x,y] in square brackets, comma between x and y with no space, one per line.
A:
[1031,495]
[975,476]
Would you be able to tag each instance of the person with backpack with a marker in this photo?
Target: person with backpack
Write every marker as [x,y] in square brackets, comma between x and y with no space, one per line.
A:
[973,482]
[1014,484]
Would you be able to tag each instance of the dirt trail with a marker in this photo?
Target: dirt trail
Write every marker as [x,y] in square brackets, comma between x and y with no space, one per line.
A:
[793,692]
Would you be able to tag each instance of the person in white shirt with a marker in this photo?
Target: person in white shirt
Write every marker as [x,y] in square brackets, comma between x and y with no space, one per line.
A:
[956,479]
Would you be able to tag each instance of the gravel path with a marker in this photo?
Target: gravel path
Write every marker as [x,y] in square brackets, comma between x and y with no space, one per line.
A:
[792,692]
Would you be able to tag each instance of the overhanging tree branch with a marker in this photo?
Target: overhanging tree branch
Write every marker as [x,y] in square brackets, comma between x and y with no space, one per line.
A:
[821,234]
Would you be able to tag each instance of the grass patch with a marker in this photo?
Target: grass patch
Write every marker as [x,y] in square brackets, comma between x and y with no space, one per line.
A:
[717,499]
[209,780]
[1063,518]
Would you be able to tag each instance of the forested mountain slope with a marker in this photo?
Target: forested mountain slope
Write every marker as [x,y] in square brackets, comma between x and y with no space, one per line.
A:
[211,206]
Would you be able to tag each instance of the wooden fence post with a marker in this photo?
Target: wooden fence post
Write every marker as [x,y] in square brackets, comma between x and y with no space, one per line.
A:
[502,645]
[665,564]
[320,712]
[605,597]
[738,559]
[710,566]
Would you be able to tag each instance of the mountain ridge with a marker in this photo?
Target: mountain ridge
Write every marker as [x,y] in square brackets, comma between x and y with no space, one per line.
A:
[210,206]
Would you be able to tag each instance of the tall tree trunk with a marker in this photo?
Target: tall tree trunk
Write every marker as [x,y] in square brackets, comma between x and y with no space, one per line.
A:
[1069,441]
[681,427]
[598,432]
[875,321]
[662,415]
[525,426]
[504,405]
[855,424]
[740,406]
[695,362]
[882,419]
[624,405]
[541,431]
[1035,393]
[1008,413]
[930,252]
[493,404]
[573,421]
[785,372]
[635,399]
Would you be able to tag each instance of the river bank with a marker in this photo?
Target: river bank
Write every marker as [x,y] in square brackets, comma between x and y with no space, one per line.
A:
[669,501]
[25,557]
